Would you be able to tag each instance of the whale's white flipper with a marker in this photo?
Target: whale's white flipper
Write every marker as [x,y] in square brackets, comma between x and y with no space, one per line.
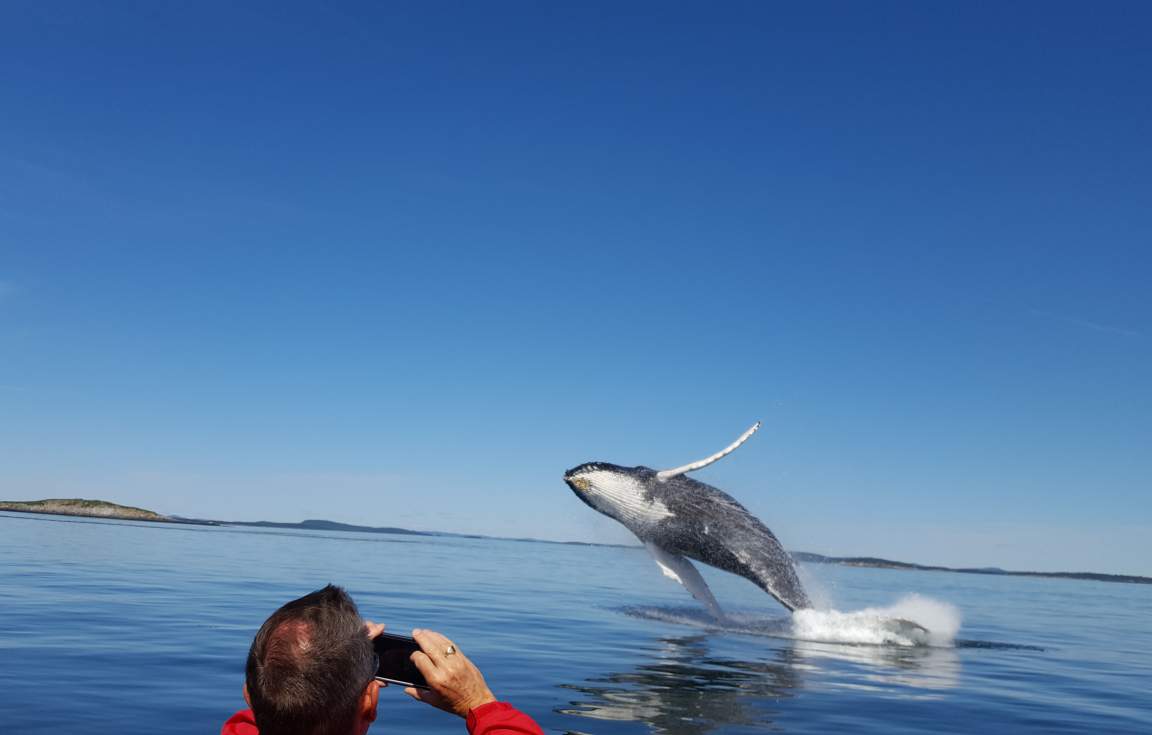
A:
[684,572]
[693,466]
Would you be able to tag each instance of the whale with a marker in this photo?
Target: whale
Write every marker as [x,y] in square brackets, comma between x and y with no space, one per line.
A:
[680,519]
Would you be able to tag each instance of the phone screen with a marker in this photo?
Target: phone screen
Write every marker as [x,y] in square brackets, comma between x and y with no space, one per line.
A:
[395,654]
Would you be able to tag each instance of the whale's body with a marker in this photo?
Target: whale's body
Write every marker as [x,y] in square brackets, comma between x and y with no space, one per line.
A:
[679,518]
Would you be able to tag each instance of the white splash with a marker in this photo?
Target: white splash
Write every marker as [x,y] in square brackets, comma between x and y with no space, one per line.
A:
[882,625]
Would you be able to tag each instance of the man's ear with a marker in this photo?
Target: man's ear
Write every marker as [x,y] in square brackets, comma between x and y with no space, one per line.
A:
[369,700]
[247,699]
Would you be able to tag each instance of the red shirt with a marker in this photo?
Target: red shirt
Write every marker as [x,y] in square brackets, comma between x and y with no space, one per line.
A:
[494,718]
[241,723]
[499,718]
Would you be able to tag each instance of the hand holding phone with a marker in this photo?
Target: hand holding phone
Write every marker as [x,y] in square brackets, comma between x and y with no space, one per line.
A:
[454,683]
[395,660]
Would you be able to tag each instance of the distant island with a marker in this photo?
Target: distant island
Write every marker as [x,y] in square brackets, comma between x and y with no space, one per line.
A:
[320,525]
[876,563]
[91,509]
[81,507]
[105,509]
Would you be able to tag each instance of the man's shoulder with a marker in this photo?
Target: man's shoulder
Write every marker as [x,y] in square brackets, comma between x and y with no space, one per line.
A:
[241,723]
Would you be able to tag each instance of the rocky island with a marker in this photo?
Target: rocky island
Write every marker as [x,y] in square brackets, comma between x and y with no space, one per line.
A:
[81,507]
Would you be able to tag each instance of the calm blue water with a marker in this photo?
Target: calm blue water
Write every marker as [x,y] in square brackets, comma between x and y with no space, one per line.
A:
[114,627]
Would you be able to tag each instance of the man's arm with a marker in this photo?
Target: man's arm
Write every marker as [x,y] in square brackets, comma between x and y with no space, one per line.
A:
[457,686]
[497,718]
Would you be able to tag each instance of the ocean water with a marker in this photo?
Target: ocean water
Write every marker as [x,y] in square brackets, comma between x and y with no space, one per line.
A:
[121,627]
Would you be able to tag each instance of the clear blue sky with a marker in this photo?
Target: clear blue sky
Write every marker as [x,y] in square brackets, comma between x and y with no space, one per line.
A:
[406,263]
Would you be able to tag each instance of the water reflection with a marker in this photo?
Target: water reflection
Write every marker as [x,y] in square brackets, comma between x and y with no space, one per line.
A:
[684,690]
[908,672]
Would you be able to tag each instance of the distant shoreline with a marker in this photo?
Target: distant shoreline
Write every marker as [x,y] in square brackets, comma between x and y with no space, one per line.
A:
[876,563]
[111,511]
[82,508]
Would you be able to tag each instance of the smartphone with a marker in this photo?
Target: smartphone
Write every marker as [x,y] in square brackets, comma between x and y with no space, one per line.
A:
[395,654]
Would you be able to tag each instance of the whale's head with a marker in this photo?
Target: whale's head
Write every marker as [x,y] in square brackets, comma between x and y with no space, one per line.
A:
[623,493]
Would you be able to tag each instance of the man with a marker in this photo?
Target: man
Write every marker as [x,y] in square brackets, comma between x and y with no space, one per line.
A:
[311,671]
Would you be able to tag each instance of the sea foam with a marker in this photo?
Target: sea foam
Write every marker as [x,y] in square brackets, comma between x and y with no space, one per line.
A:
[881,625]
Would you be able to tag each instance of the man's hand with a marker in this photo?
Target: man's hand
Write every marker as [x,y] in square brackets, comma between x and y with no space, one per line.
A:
[457,686]
[373,630]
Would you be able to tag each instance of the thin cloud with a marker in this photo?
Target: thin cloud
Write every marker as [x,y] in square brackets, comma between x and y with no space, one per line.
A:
[1087,323]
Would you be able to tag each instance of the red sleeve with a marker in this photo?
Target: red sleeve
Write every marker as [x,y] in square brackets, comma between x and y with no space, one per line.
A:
[501,718]
[241,723]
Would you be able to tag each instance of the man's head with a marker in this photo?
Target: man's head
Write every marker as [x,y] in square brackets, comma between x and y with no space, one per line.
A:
[310,668]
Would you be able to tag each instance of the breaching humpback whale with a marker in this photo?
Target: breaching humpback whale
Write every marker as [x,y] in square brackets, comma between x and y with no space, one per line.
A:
[679,518]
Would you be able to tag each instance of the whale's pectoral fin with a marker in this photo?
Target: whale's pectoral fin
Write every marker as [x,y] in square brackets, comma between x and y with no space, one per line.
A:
[683,571]
[663,475]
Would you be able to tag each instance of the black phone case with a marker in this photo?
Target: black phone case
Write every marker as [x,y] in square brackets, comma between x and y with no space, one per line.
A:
[395,655]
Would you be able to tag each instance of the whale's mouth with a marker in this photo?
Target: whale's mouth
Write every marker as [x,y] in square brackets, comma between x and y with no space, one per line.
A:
[581,486]
[578,484]
[577,477]
[573,473]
